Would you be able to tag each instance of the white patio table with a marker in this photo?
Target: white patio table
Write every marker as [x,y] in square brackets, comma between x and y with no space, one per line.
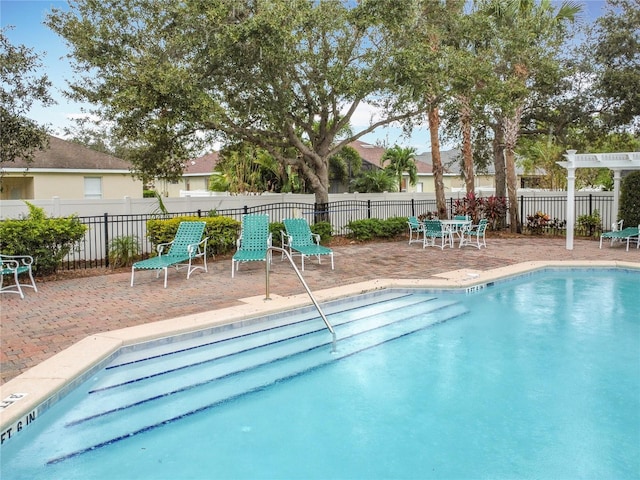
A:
[455,227]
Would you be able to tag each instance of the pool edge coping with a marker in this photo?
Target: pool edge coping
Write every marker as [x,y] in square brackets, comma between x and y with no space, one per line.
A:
[43,384]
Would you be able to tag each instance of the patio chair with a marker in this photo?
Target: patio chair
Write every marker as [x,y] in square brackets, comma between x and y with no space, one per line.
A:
[415,228]
[14,266]
[459,229]
[300,240]
[254,242]
[186,246]
[434,230]
[475,235]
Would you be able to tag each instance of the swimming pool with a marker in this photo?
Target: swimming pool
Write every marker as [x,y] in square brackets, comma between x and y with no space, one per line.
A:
[527,378]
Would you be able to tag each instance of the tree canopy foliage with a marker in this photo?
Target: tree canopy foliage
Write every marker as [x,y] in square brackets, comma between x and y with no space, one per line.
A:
[287,76]
[20,137]
[617,51]
[284,75]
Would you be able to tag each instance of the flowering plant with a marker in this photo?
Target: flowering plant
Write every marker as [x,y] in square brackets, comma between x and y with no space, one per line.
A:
[539,222]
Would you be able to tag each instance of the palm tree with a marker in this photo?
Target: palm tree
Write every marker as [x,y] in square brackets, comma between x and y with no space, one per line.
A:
[525,36]
[401,160]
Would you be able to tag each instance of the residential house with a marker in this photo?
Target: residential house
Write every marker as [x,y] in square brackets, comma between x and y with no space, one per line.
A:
[198,171]
[195,177]
[68,171]
[372,158]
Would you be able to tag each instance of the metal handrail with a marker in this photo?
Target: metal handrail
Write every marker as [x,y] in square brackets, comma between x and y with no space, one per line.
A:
[304,284]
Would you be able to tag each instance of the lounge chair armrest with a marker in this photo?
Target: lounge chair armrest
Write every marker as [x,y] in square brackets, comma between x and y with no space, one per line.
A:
[19,259]
[316,238]
[286,239]
[161,247]
[198,249]
[9,264]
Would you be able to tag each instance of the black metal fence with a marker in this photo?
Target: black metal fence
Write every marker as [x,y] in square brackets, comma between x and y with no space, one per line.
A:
[93,250]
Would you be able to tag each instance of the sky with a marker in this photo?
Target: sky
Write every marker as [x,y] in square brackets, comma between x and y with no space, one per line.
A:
[27,16]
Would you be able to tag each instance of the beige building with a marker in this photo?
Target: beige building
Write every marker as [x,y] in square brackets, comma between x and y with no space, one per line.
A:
[452,177]
[68,171]
[195,177]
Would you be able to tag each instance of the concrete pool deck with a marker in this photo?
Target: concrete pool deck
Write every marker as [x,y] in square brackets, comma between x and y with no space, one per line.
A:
[52,337]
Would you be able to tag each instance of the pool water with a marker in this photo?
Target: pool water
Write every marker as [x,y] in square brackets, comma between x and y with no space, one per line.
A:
[533,378]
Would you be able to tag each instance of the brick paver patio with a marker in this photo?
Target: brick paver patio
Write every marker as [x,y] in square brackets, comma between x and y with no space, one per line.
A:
[63,312]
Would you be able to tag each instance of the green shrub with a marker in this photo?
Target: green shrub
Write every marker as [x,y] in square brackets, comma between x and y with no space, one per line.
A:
[589,225]
[323,229]
[395,226]
[630,200]
[123,251]
[47,240]
[371,228]
[276,236]
[366,229]
[222,232]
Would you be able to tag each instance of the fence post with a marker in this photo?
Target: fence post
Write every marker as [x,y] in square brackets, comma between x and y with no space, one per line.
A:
[368,208]
[199,213]
[245,209]
[106,239]
[590,213]
[413,207]
[521,211]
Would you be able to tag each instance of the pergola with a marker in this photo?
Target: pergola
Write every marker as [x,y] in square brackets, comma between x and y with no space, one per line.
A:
[613,161]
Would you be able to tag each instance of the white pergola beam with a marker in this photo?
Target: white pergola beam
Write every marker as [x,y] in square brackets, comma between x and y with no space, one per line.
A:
[613,161]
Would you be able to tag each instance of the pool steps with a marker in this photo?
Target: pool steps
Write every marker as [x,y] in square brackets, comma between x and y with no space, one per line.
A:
[148,388]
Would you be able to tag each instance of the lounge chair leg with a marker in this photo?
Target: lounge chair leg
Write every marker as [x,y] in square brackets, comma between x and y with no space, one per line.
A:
[166,270]
[133,271]
[15,277]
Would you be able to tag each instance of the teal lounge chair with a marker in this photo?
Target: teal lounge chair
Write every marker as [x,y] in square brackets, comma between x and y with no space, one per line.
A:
[186,246]
[13,266]
[475,235]
[415,228]
[628,235]
[634,236]
[616,234]
[433,230]
[254,242]
[300,240]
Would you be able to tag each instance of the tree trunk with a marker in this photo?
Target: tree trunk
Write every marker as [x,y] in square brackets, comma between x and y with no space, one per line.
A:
[500,171]
[467,150]
[498,161]
[436,160]
[511,126]
[318,178]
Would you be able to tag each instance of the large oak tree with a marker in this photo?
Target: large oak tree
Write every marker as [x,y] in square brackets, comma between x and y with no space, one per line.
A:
[20,87]
[284,75]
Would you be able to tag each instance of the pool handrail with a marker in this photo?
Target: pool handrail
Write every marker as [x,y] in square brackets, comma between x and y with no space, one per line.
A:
[304,284]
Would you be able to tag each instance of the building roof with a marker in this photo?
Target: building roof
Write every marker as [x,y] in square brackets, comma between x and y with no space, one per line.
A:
[202,165]
[373,154]
[65,155]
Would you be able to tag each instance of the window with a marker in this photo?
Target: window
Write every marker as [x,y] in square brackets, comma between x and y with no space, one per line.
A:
[419,187]
[92,187]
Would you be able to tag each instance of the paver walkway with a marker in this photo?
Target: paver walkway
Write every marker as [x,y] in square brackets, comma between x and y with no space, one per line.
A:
[63,312]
